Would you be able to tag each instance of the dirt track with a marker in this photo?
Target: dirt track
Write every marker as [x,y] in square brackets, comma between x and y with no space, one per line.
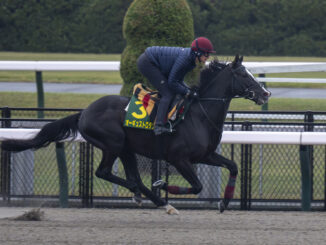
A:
[146,226]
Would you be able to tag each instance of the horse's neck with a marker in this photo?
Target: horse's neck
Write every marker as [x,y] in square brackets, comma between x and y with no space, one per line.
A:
[217,113]
[217,110]
[218,87]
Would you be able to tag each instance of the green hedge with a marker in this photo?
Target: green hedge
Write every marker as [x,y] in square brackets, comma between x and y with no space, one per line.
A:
[152,23]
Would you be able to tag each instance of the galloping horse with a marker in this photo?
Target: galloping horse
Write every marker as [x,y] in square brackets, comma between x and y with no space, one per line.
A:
[194,141]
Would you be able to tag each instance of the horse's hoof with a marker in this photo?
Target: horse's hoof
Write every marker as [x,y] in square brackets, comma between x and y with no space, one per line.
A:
[222,206]
[171,210]
[138,200]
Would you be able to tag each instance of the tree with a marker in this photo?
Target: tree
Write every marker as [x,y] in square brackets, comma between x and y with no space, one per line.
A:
[99,27]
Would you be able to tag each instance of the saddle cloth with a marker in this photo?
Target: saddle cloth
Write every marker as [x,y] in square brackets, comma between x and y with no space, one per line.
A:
[142,108]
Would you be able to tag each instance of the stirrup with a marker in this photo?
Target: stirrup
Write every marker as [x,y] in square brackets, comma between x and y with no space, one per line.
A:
[159,184]
[160,129]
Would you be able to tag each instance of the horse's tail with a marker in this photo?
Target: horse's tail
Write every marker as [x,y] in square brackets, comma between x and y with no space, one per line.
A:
[51,132]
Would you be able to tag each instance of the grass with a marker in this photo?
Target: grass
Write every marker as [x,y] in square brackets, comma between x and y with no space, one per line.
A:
[52,100]
[115,78]
[108,77]
[58,56]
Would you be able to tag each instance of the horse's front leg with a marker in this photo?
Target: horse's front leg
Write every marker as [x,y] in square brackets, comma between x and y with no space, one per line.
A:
[217,160]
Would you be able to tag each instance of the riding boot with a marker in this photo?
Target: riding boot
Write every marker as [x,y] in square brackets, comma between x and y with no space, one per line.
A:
[160,127]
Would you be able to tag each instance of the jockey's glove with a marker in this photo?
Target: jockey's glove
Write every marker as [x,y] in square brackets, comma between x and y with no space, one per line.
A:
[192,94]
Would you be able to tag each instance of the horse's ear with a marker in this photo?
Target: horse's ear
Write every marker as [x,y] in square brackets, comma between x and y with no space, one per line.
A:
[241,59]
[236,60]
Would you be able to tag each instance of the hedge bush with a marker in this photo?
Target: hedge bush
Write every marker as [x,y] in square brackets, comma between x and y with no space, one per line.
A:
[152,23]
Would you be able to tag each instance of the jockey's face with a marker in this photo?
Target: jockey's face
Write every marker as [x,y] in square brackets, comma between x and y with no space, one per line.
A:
[203,58]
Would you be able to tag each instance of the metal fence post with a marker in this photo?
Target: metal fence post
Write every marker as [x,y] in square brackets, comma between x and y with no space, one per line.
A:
[40,93]
[264,107]
[5,159]
[63,174]
[115,187]
[81,170]
[325,181]
[309,119]
[86,174]
[156,175]
[5,175]
[167,174]
[306,182]
[157,165]
[232,129]
[246,163]
[306,163]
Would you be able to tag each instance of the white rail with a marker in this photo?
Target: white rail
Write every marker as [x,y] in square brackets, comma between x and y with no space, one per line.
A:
[59,65]
[254,67]
[282,67]
[291,80]
[228,137]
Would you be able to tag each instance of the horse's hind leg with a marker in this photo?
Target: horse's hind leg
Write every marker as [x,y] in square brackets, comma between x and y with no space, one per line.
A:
[111,145]
[130,165]
[104,171]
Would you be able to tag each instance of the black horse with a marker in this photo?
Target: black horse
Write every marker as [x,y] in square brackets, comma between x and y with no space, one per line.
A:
[194,141]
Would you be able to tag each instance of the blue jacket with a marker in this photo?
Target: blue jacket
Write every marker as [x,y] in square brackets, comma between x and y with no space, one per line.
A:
[174,63]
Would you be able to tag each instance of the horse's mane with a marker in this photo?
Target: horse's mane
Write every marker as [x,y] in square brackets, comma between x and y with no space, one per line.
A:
[209,72]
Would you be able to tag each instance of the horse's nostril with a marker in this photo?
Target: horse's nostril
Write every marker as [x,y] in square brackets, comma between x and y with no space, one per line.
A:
[267,94]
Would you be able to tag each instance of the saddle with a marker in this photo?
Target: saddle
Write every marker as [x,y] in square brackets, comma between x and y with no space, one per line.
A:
[142,108]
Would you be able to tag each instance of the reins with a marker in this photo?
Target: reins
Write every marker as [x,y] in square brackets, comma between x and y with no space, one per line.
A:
[212,99]
[207,117]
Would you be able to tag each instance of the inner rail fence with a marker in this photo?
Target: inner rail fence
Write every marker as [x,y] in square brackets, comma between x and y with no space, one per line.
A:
[281,158]
[259,68]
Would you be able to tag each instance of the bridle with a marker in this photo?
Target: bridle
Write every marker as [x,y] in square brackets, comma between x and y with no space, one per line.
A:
[248,94]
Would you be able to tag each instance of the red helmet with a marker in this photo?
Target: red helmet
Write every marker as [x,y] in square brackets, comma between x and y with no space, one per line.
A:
[202,45]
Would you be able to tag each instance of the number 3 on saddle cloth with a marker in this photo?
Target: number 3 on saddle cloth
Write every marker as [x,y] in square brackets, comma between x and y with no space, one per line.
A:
[142,109]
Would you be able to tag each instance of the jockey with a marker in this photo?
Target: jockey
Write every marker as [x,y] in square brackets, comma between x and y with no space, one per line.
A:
[166,67]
